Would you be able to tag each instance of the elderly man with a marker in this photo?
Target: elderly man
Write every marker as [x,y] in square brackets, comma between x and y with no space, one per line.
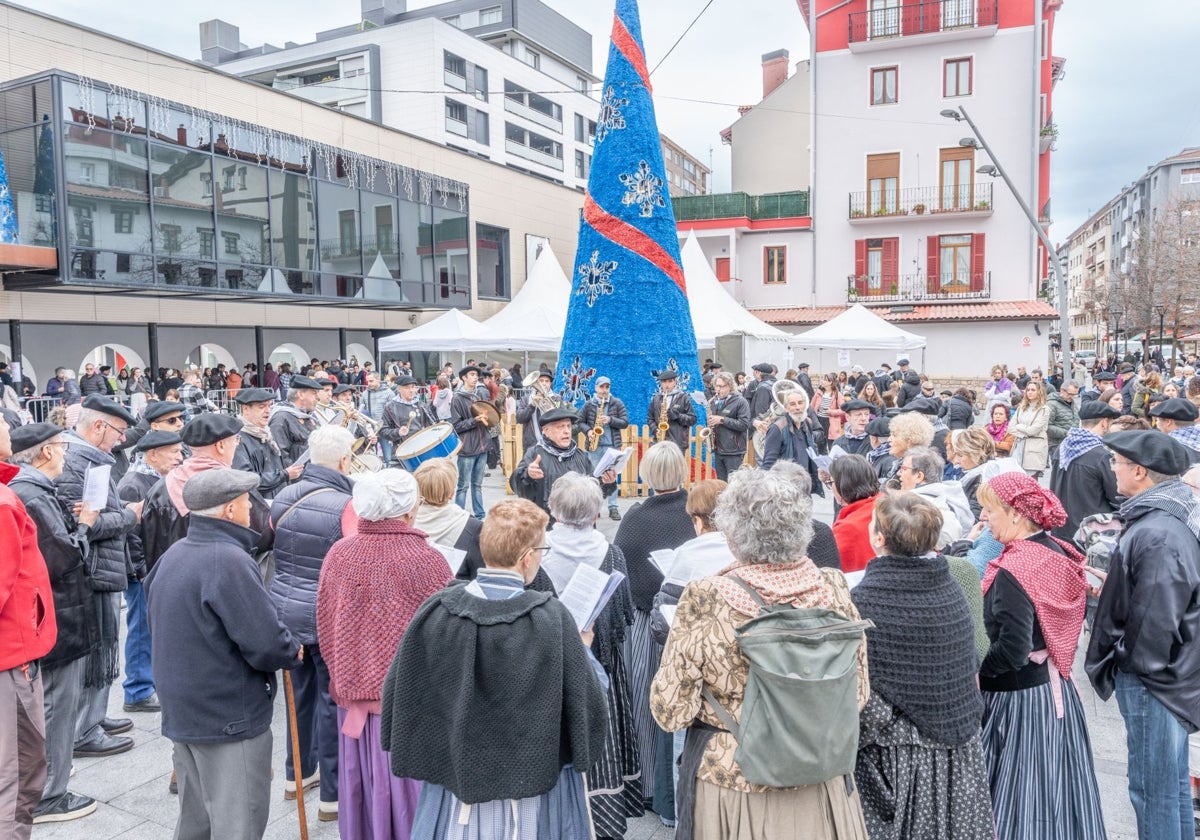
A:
[1143,639]
[854,439]
[101,425]
[1081,478]
[258,452]
[93,382]
[531,407]
[1177,418]
[879,455]
[730,419]
[309,516]
[192,398]
[38,451]
[292,422]
[473,433]
[161,415]
[608,413]
[403,417]
[555,455]
[217,644]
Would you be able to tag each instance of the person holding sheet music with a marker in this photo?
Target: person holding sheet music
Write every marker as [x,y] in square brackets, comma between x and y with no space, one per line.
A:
[614,779]
[370,588]
[555,455]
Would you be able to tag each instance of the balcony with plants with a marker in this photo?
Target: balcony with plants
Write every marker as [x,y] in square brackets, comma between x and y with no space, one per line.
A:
[947,287]
[917,202]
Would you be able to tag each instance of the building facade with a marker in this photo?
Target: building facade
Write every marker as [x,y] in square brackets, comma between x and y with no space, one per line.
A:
[686,174]
[1086,255]
[200,216]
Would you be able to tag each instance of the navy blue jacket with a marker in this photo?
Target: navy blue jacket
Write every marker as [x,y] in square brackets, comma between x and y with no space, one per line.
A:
[216,640]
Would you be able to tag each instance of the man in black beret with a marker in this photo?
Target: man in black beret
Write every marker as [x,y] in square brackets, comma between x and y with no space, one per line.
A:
[854,439]
[403,416]
[674,408]
[1100,381]
[880,456]
[540,399]
[258,452]
[343,400]
[101,426]
[1143,639]
[292,422]
[803,379]
[1177,417]
[1081,477]
[555,455]
[218,641]
[758,392]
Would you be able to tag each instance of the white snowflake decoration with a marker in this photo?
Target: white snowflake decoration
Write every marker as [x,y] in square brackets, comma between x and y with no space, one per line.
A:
[595,278]
[644,189]
[610,118]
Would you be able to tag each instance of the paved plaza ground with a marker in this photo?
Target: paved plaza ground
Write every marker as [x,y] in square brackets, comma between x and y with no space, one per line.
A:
[135,805]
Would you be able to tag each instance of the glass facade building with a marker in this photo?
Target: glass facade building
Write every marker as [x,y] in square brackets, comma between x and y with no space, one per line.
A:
[143,195]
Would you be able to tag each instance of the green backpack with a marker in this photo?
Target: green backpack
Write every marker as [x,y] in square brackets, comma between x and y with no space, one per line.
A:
[799,722]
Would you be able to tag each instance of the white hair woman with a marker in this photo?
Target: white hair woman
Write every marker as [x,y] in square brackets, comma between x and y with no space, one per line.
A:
[659,522]
[370,587]
[614,779]
[768,523]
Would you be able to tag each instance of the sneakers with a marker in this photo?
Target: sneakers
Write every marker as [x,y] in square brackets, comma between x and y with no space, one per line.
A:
[289,787]
[70,806]
[150,704]
[614,514]
[327,812]
[105,745]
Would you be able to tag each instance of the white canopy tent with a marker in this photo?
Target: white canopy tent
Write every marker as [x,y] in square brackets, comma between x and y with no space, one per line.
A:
[714,311]
[451,330]
[536,317]
[858,328]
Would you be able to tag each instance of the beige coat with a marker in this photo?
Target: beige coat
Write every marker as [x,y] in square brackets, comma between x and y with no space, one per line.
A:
[1032,448]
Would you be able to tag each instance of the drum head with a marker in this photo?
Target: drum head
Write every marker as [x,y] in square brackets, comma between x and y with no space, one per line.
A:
[422,441]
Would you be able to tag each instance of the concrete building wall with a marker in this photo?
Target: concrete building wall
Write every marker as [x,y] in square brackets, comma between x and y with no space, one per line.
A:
[770,143]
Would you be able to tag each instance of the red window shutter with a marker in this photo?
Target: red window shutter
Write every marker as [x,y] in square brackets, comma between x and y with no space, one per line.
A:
[931,17]
[910,17]
[977,263]
[860,266]
[891,261]
[933,255]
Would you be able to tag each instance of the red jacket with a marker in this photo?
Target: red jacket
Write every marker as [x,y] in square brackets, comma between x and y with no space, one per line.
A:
[27,627]
[852,533]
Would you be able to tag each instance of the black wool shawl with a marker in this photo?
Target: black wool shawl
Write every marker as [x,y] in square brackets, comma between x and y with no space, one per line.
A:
[921,652]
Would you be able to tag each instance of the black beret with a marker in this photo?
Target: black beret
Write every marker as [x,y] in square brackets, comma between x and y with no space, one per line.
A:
[665,375]
[1176,408]
[857,405]
[341,389]
[211,488]
[923,405]
[902,361]
[158,410]
[803,366]
[1151,449]
[304,382]
[1126,368]
[154,438]
[1105,376]
[246,396]
[947,393]
[111,407]
[555,414]
[207,429]
[716,366]
[1096,410]
[401,381]
[470,368]
[763,367]
[879,427]
[33,434]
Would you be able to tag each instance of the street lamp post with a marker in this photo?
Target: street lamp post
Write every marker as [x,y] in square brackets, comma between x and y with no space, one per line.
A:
[1162,311]
[1064,315]
[1116,315]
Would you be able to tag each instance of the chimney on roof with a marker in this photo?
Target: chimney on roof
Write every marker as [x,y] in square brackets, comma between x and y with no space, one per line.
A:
[775,66]
[219,41]
[378,11]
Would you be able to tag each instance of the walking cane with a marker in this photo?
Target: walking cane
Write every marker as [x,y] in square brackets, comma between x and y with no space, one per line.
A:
[296,769]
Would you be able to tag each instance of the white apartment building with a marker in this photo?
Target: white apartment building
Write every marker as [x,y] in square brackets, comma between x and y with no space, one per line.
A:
[902,221]
[1087,251]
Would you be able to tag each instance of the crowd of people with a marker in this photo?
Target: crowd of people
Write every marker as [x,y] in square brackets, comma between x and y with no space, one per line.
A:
[905,671]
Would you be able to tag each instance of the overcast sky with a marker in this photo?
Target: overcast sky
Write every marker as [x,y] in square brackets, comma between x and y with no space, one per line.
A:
[1128,100]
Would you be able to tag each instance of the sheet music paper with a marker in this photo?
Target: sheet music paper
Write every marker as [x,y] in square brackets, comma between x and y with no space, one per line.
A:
[612,459]
[587,592]
[95,486]
[454,556]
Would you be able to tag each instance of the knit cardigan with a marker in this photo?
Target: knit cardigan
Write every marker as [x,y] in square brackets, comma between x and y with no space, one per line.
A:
[371,586]
[922,649]
[491,699]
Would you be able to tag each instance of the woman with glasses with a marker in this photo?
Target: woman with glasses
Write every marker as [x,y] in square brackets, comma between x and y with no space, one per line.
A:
[1029,427]
[493,700]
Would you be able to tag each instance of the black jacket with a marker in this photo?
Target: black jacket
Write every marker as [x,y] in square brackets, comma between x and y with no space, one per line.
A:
[95,383]
[398,415]
[1148,620]
[474,437]
[216,639]
[109,565]
[291,431]
[788,442]
[1085,487]
[729,438]
[135,486]
[960,414]
[763,397]
[64,545]
[618,418]
[910,389]
[681,416]
[660,521]
[256,456]
[554,464]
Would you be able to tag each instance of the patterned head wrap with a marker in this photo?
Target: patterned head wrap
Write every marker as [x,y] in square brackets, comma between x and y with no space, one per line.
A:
[1028,498]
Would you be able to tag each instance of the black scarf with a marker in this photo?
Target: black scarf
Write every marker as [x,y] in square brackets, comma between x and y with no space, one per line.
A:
[921,650]
[554,452]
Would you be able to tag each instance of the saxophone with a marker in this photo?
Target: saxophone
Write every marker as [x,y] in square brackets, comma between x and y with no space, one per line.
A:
[663,425]
[597,431]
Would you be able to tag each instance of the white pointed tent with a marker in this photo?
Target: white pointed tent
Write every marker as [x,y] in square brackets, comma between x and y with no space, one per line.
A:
[452,330]
[714,311]
[858,328]
[536,317]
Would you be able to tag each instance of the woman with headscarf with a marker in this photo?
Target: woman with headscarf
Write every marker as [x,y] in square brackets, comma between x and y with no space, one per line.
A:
[371,586]
[1035,737]
[615,777]
[920,767]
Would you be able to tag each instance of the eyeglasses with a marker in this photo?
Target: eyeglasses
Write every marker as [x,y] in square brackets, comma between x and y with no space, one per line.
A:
[905,468]
[120,432]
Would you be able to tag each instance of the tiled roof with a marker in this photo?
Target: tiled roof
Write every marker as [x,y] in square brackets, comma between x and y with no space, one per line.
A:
[1004,310]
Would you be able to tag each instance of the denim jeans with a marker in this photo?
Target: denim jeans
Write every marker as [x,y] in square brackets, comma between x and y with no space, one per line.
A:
[139,682]
[386,447]
[1159,787]
[594,459]
[470,474]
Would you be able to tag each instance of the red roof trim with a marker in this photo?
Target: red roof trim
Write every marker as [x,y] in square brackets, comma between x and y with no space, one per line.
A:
[1008,310]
